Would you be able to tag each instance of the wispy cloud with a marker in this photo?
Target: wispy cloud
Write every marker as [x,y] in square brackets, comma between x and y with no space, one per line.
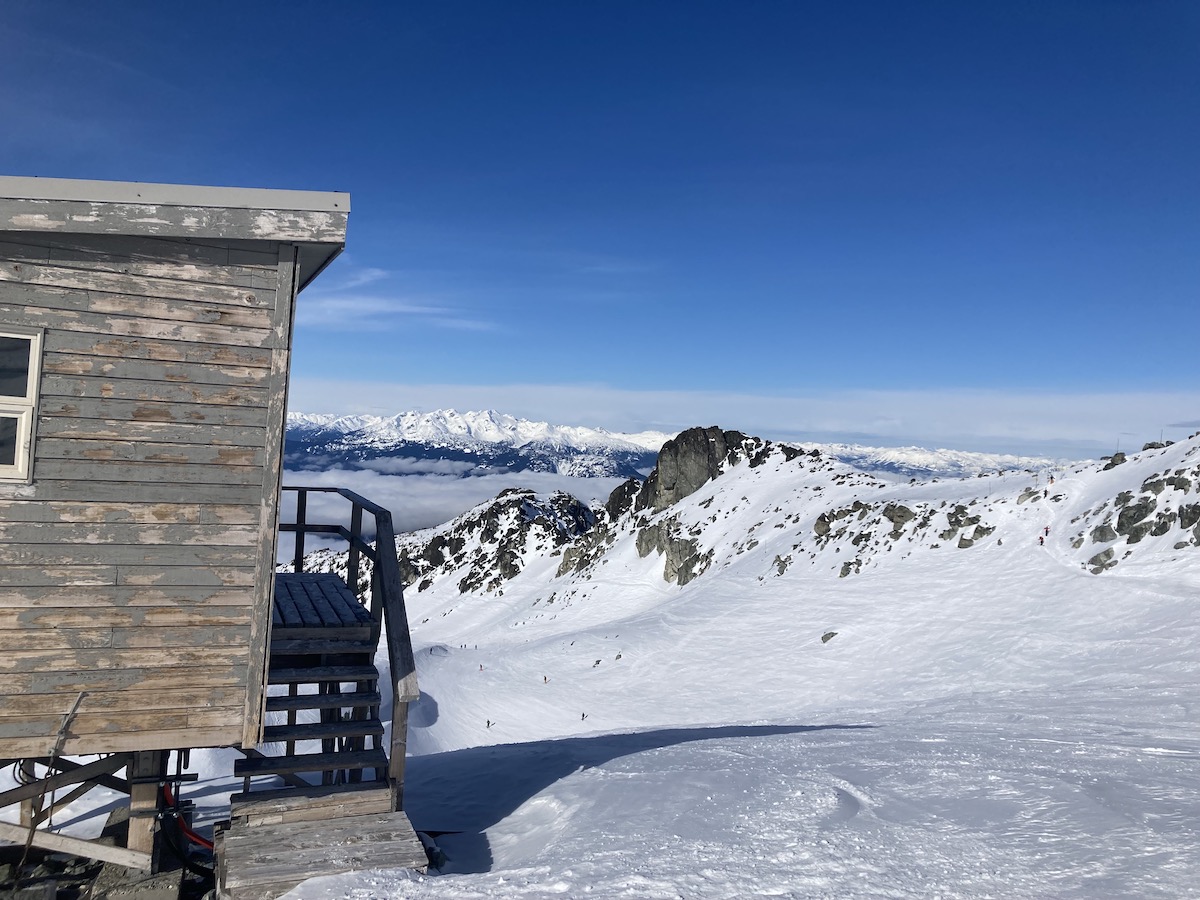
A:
[1075,425]
[357,298]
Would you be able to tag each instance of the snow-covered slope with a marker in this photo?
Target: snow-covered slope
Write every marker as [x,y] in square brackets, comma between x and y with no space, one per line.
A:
[764,672]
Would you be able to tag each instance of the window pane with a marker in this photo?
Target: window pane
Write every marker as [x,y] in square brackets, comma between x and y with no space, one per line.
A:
[14,366]
[8,440]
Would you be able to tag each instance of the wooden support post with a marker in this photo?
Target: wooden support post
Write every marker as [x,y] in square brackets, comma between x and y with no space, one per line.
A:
[146,774]
[28,812]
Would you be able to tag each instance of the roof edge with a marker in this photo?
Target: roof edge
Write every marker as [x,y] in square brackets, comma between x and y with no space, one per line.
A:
[16,187]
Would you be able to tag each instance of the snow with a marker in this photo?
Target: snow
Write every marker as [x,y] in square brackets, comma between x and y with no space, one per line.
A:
[992,720]
[987,722]
[447,427]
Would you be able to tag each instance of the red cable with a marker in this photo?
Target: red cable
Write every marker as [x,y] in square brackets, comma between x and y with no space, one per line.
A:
[187,832]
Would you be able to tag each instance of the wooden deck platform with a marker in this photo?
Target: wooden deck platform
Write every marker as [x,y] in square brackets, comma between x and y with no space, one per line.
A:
[311,602]
[264,861]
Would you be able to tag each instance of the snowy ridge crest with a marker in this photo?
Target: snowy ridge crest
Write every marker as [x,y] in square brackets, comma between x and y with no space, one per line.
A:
[721,500]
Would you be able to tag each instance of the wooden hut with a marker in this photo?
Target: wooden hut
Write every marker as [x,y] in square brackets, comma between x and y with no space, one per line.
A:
[145,336]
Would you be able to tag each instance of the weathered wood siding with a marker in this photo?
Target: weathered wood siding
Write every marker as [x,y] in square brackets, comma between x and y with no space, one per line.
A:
[136,565]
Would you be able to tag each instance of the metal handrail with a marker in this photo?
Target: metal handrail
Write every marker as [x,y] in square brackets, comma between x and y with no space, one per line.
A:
[386,604]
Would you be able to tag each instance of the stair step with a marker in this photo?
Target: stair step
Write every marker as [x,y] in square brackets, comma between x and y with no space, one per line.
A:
[315,803]
[316,731]
[312,674]
[289,647]
[323,701]
[310,762]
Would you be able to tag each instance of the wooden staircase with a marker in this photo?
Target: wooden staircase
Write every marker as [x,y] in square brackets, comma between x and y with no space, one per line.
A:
[322,795]
[322,654]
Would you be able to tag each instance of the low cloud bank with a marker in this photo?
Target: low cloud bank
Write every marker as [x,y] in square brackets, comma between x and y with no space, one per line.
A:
[424,500]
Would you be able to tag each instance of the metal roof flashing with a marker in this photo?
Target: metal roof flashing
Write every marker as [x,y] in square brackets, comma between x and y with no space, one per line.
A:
[151,194]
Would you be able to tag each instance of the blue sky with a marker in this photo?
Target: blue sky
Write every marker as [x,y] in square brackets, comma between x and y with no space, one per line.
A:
[965,224]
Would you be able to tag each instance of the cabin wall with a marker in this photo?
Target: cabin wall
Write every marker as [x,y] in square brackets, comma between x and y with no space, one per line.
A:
[136,565]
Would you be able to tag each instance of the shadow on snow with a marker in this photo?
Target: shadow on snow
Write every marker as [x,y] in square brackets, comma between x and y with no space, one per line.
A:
[462,793]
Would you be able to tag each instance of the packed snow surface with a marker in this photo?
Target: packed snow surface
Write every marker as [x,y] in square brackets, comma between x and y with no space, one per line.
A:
[963,711]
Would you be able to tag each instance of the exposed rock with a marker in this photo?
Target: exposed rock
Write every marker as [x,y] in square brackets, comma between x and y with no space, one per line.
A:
[1189,515]
[899,516]
[828,636]
[491,542]
[1103,560]
[1113,461]
[1134,513]
[1154,485]
[1162,523]
[688,462]
[1104,533]
[682,559]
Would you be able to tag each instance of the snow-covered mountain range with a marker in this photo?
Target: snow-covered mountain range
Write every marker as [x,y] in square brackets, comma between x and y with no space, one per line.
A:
[473,443]
[764,672]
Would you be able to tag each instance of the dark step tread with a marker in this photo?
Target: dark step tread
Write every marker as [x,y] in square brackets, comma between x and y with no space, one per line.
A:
[316,731]
[310,762]
[307,647]
[306,674]
[323,701]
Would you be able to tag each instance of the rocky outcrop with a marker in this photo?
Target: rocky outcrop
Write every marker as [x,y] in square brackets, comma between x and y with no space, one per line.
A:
[688,462]
[491,544]
[683,560]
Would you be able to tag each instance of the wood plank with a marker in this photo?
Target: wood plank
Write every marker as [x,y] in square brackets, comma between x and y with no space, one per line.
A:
[157,605]
[309,762]
[203,576]
[126,513]
[313,674]
[183,477]
[316,803]
[146,770]
[123,742]
[229,696]
[185,534]
[181,636]
[84,345]
[61,843]
[34,638]
[106,491]
[323,701]
[169,284]
[266,861]
[125,555]
[86,386]
[133,677]
[89,661]
[85,576]
[37,311]
[19,620]
[216,434]
[154,262]
[152,370]
[258,256]
[148,411]
[85,217]
[59,576]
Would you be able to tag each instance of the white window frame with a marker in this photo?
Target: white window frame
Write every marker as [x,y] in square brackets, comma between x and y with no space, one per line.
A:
[23,408]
